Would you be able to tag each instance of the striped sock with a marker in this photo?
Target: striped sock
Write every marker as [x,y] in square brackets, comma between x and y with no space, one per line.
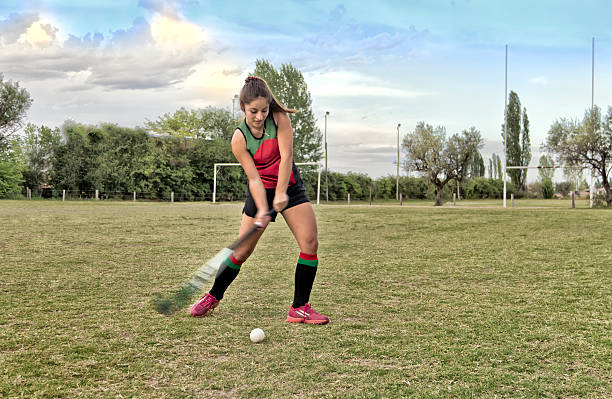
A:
[305,273]
[225,278]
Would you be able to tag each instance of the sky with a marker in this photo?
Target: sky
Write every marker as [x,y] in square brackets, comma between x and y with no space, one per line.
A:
[371,65]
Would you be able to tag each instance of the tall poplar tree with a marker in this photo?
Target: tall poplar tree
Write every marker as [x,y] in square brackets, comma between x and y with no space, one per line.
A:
[288,85]
[518,147]
[477,169]
[495,168]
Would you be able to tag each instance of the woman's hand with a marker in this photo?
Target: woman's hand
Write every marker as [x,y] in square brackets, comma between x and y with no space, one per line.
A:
[262,218]
[280,202]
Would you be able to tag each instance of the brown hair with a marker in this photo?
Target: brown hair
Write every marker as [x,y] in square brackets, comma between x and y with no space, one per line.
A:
[255,87]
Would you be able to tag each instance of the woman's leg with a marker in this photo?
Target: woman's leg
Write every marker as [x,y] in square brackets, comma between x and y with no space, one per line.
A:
[226,276]
[246,249]
[235,261]
[303,224]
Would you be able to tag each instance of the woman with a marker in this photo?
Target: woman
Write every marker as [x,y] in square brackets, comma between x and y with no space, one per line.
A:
[263,144]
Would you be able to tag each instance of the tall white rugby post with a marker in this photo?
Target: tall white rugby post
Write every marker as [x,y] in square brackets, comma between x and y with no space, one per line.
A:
[214,198]
[505,125]
[326,179]
[592,109]
[397,174]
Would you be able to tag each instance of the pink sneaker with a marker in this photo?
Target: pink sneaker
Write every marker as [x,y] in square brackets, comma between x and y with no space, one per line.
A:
[204,306]
[306,314]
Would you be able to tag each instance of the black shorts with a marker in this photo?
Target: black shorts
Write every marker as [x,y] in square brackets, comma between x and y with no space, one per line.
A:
[296,193]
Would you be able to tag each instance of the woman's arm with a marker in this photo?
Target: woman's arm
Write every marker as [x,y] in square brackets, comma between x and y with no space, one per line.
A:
[258,191]
[285,145]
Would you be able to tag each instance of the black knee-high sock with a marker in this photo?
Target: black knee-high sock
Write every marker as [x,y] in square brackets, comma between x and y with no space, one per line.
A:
[225,278]
[305,273]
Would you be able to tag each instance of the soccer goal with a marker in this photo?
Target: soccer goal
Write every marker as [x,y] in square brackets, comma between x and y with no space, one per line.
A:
[219,165]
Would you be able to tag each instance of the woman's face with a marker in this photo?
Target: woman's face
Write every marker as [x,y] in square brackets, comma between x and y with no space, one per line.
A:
[256,112]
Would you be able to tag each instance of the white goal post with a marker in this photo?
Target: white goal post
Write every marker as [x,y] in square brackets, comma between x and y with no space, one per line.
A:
[553,167]
[297,163]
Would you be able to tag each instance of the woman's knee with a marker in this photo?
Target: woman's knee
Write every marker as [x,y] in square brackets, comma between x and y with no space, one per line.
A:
[310,245]
[242,254]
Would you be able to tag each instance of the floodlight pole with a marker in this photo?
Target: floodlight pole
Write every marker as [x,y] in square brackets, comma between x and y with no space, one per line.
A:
[326,179]
[398,163]
[593,76]
[235,104]
[505,125]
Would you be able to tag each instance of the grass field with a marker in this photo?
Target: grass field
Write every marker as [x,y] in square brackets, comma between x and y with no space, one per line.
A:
[424,302]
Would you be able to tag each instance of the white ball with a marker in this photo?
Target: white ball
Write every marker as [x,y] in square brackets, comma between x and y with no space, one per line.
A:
[257,335]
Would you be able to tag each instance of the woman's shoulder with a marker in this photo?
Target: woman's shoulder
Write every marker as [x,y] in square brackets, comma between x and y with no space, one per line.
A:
[279,117]
[238,136]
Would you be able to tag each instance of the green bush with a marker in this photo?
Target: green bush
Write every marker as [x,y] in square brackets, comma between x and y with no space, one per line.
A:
[564,188]
[488,188]
[547,188]
[11,166]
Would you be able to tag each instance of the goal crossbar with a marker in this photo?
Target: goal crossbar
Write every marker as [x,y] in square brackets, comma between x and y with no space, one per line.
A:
[552,167]
[237,164]
[547,167]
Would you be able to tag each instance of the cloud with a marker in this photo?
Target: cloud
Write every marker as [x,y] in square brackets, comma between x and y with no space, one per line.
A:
[39,35]
[146,55]
[169,8]
[15,26]
[339,41]
[175,33]
[164,7]
[539,80]
[233,72]
[87,41]
[369,148]
[354,84]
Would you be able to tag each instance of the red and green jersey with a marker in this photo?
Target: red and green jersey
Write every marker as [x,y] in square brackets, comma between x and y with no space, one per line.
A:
[265,152]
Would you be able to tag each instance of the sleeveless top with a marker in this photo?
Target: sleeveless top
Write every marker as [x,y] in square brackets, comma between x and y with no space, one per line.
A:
[265,152]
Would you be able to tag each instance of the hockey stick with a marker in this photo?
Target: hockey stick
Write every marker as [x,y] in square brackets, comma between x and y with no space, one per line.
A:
[214,265]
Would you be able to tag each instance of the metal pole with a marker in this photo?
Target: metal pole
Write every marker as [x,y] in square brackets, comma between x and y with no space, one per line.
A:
[318,184]
[215,184]
[326,179]
[591,193]
[593,76]
[235,102]
[592,110]
[398,161]
[505,125]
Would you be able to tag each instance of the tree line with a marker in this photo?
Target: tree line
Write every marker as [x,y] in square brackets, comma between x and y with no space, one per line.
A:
[176,153]
[117,161]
